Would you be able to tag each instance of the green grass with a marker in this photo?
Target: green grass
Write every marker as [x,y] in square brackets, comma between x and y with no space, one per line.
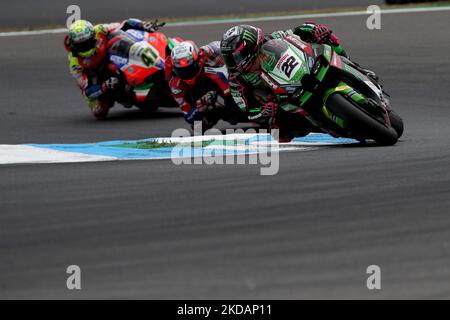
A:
[145,145]
[149,145]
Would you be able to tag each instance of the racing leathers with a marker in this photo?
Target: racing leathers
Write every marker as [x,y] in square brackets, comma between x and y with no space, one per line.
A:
[92,74]
[206,97]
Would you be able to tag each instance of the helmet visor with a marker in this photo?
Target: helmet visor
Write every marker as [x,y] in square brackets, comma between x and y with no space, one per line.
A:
[85,48]
[240,60]
[234,60]
[187,72]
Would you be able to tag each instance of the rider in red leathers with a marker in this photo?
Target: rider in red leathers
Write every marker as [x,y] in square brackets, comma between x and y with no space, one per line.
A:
[87,48]
[202,95]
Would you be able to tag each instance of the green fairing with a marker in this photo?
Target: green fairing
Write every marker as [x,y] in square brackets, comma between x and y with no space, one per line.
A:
[322,73]
[320,76]
[268,60]
[144,87]
[171,43]
[305,97]
[346,90]
[269,57]
[338,49]
[272,52]
[304,68]
[280,34]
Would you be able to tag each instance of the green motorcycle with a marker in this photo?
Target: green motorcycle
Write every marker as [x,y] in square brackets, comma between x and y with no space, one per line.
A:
[313,82]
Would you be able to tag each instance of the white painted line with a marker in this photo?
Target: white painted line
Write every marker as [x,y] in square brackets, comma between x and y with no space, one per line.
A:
[32,33]
[17,154]
[247,19]
[239,144]
[303,16]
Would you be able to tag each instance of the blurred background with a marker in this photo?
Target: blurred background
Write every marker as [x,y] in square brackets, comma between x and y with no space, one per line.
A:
[43,13]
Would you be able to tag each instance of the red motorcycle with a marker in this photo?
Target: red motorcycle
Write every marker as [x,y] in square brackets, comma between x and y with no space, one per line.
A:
[137,58]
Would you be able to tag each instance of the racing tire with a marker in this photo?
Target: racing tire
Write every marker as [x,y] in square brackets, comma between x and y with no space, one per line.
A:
[397,123]
[360,122]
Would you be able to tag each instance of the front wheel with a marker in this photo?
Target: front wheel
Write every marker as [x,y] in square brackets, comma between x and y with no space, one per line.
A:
[397,123]
[360,123]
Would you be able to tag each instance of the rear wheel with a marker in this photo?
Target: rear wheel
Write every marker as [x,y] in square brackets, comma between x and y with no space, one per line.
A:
[360,122]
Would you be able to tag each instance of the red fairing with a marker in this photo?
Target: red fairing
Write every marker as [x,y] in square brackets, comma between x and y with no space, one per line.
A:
[296,41]
[137,75]
[336,61]
[159,41]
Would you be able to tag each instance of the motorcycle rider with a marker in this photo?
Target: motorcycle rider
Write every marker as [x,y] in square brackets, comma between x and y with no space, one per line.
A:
[240,47]
[202,96]
[87,47]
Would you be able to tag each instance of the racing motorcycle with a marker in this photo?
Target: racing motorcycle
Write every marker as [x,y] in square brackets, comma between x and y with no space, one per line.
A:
[313,82]
[137,57]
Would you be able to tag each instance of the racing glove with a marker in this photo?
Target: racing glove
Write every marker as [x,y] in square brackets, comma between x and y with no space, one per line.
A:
[193,116]
[153,26]
[204,104]
[319,34]
[94,92]
[207,102]
[313,32]
[111,85]
[266,115]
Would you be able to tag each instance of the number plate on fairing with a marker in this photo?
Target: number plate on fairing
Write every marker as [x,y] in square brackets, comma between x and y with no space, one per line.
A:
[291,68]
[144,55]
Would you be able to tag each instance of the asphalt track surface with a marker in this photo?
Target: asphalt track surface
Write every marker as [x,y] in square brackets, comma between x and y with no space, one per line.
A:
[38,13]
[150,229]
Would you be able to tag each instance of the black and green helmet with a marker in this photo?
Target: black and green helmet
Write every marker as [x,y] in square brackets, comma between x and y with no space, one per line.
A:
[240,47]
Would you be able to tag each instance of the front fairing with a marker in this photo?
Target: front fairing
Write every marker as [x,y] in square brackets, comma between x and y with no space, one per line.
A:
[283,62]
[139,55]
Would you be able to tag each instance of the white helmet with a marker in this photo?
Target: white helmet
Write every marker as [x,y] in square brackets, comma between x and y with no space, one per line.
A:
[186,60]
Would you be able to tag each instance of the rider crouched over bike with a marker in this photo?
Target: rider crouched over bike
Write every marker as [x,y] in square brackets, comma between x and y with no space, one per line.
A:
[240,48]
[87,47]
[201,91]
